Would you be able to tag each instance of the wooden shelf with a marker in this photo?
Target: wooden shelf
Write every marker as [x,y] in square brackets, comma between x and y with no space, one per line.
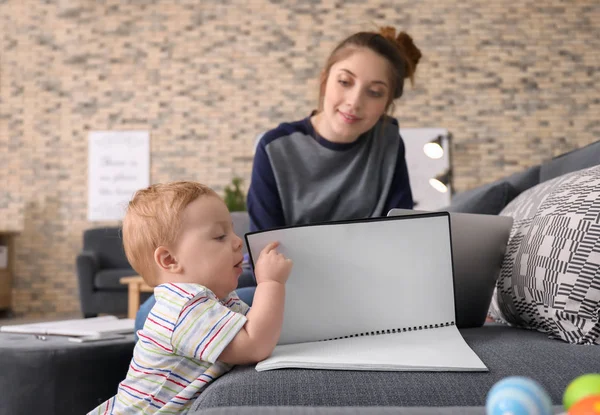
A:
[7,239]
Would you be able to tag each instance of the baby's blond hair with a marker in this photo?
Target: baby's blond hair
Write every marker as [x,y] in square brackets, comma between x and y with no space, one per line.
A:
[153,219]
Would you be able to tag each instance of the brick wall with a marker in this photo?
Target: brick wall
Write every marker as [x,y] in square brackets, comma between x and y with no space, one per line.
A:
[516,83]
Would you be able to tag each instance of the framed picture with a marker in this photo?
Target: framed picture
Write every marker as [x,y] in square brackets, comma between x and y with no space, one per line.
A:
[118,165]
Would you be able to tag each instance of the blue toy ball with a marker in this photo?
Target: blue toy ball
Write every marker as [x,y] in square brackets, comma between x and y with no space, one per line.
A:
[517,395]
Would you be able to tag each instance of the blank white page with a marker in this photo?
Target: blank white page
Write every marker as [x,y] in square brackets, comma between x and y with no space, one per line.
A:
[362,276]
[441,349]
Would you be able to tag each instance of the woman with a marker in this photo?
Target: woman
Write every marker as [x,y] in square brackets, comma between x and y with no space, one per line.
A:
[346,160]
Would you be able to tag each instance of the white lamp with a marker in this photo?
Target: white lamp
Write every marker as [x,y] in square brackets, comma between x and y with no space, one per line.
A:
[441,182]
[434,149]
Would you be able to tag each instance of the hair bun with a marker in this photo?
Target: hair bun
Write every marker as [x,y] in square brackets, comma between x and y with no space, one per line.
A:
[407,47]
[411,52]
[388,32]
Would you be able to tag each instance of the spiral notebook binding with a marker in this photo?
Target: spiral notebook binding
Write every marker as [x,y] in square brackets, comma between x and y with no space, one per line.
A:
[392,331]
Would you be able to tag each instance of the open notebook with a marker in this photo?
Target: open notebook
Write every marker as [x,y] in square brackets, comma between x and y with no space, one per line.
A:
[373,294]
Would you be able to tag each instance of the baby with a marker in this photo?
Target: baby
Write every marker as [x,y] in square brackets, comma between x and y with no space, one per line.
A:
[179,237]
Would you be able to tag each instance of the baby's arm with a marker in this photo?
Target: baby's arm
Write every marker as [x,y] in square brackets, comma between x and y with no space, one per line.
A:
[257,339]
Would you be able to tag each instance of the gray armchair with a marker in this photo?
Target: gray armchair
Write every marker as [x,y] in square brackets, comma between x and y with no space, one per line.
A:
[100,266]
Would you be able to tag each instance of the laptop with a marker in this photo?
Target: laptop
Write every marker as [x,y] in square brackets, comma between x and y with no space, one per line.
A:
[478,247]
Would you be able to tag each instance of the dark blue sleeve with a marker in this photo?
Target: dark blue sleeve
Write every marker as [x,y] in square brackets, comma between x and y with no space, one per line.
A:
[400,195]
[263,202]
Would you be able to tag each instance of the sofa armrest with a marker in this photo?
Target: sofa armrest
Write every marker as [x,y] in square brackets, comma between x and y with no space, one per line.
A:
[87,267]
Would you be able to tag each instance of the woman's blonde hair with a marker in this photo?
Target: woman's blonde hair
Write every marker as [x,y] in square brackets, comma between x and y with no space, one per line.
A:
[153,219]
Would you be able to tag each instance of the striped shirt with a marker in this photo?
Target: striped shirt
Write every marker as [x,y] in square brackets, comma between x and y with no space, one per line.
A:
[176,355]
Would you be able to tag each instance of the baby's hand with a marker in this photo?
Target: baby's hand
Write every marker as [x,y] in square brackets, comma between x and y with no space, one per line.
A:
[272,266]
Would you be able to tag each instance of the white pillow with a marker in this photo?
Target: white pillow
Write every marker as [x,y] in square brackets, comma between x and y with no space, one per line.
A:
[550,278]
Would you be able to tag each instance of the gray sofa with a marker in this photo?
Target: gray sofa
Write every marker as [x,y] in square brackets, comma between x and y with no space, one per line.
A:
[506,351]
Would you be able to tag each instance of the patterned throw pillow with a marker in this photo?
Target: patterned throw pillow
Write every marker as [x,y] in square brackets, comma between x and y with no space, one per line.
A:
[550,278]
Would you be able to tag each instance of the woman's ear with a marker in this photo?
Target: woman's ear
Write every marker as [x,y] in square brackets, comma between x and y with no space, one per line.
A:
[166,261]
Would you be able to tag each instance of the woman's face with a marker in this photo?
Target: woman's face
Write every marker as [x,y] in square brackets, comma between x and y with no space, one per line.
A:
[356,96]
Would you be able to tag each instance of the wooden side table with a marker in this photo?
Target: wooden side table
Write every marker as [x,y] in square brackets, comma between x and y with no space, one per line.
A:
[135,286]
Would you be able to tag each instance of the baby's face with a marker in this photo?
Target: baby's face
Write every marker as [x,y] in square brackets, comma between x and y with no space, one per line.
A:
[208,250]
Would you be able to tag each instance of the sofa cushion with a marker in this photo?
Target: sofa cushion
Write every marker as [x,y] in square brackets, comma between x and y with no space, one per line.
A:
[581,158]
[550,277]
[524,180]
[349,410]
[488,199]
[109,279]
[506,351]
